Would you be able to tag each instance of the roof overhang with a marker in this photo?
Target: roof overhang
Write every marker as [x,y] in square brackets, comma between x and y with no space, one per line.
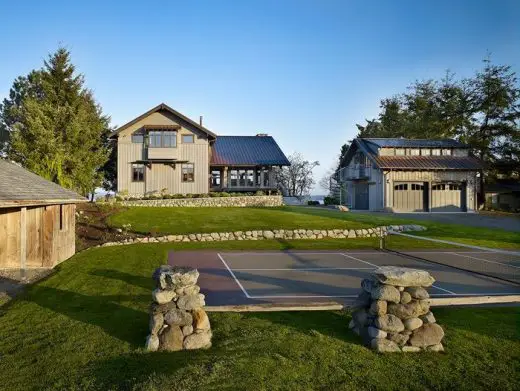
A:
[26,203]
[167,108]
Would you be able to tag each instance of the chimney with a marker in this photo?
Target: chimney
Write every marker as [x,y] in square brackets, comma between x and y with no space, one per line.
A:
[262,135]
[200,120]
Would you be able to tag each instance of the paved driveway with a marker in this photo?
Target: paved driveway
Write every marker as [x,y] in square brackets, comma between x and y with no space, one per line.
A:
[469,219]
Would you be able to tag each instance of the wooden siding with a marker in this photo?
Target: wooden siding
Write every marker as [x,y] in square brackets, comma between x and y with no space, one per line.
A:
[47,243]
[161,176]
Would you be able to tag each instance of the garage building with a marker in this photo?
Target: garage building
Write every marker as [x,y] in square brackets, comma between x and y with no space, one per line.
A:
[409,175]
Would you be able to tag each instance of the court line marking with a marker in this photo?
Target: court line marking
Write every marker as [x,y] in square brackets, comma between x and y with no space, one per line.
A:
[233,275]
[353,296]
[307,269]
[491,250]
[360,260]
[485,260]
[445,290]
[280,253]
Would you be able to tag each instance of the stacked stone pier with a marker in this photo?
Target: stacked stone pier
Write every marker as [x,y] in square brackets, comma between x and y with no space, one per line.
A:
[177,317]
[392,312]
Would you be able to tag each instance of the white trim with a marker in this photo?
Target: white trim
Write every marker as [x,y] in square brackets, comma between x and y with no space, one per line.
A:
[234,277]
[356,259]
[485,260]
[442,289]
[298,296]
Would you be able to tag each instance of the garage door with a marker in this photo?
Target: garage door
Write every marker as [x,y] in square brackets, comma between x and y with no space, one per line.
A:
[409,196]
[448,197]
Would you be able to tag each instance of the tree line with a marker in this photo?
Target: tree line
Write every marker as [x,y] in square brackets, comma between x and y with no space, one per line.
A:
[482,111]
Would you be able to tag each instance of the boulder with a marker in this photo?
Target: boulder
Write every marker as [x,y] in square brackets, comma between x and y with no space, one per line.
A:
[351,324]
[412,323]
[403,276]
[178,317]
[171,339]
[152,343]
[187,330]
[200,320]
[405,298]
[399,338]
[390,323]
[360,317]
[418,292]
[191,290]
[198,341]
[161,296]
[162,308]
[156,322]
[268,234]
[374,332]
[427,335]
[435,348]
[408,349]
[386,293]
[191,302]
[428,318]
[414,309]
[362,301]
[381,345]
[367,284]
[172,277]
[378,307]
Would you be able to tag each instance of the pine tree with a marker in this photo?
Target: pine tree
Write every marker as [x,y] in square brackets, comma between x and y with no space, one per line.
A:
[56,129]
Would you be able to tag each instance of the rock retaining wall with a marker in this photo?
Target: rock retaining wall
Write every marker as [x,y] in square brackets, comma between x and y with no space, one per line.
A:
[177,318]
[393,312]
[285,234]
[247,201]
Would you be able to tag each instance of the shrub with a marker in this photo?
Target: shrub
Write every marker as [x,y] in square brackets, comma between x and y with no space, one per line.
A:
[311,202]
[331,201]
[259,193]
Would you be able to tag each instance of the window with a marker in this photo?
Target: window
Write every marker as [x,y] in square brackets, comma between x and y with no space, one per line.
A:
[233,178]
[436,152]
[402,186]
[250,178]
[416,186]
[400,152]
[137,173]
[188,172]
[215,178]
[162,139]
[138,137]
[454,186]
[187,139]
[440,186]
[414,152]
[242,178]
[266,178]
[425,152]
[446,152]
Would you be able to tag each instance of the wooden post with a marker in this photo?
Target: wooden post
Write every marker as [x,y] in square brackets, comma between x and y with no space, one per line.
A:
[23,241]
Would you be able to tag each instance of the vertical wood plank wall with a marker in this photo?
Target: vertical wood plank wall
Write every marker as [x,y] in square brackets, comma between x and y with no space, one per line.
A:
[46,244]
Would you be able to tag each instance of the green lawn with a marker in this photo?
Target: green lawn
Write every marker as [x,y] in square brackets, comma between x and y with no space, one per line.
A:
[83,328]
[195,220]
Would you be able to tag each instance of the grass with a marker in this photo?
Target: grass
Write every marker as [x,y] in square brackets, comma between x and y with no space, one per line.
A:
[83,328]
[195,220]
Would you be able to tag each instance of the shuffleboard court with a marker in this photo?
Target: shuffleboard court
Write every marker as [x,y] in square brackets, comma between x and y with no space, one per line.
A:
[310,277]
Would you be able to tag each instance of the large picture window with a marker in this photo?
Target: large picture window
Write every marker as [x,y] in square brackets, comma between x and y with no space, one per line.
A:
[215,178]
[188,172]
[138,137]
[162,139]
[137,173]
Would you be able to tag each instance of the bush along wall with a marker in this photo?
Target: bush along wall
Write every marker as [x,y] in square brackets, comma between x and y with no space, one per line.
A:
[287,234]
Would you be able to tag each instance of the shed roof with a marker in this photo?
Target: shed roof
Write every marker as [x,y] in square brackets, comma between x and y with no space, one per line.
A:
[247,151]
[428,162]
[20,187]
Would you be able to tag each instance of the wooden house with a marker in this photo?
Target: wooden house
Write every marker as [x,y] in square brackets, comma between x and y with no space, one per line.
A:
[37,219]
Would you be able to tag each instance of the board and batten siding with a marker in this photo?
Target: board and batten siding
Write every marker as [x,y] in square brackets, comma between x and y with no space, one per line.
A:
[161,176]
[390,177]
[49,238]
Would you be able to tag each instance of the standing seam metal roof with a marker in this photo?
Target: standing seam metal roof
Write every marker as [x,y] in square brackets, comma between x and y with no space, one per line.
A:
[428,162]
[414,143]
[247,151]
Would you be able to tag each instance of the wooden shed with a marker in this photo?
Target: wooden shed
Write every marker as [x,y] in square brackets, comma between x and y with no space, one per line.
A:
[37,220]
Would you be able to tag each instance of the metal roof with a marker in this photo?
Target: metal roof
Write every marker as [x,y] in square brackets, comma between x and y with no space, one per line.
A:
[414,143]
[247,151]
[428,162]
[19,187]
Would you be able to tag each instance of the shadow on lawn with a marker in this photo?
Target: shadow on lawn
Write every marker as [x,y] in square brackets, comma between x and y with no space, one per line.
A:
[132,279]
[124,323]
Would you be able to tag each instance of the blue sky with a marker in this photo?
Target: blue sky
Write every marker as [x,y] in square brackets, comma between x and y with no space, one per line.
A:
[303,71]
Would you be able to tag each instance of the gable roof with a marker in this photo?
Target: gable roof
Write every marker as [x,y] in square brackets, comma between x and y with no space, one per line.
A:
[247,151]
[370,146]
[165,107]
[21,187]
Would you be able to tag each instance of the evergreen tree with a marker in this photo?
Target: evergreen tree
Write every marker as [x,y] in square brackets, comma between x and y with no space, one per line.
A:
[56,129]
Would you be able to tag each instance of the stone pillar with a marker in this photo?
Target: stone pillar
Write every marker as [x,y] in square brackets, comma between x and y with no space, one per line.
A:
[177,318]
[392,312]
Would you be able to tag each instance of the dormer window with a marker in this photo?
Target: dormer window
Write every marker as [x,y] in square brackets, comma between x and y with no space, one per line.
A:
[414,152]
[446,152]
[436,152]
[400,152]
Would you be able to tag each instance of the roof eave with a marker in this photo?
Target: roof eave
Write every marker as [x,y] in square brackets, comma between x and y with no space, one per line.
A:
[25,203]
